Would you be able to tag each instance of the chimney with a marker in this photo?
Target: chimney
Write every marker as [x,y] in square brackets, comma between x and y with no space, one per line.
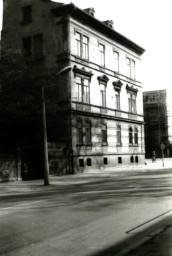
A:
[90,11]
[108,23]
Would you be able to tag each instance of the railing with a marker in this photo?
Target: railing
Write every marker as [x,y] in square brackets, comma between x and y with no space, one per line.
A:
[105,111]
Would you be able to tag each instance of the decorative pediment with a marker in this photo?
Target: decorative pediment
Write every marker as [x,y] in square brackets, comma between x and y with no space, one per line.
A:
[103,79]
[117,85]
[82,72]
[131,89]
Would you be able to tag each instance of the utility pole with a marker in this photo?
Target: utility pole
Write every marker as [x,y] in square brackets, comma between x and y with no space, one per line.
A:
[46,163]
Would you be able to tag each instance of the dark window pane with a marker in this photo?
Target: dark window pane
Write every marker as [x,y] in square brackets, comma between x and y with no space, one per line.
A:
[38,46]
[27,14]
[27,46]
[105,160]
[89,161]
[120,160]
[81,162]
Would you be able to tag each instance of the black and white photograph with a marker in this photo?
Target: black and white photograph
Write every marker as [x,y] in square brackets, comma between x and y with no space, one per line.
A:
[85,128]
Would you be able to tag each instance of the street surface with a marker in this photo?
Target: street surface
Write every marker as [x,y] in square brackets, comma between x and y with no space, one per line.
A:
[81,215]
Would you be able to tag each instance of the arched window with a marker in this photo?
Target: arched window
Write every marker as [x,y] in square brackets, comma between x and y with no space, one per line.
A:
[136,136]
[130,135]
[118,134]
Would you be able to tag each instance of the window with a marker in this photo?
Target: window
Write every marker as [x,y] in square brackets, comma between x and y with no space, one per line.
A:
[78,44]
[83,89]
[104,134]
[136,159]
[102,54]
[38,46]
[27,14]
[132,102]
[132,159]
[118,134]
[81,45]
[131,68]
[117,99]
[116,60]
[35,48]
[81,162]
[103,95]
[130,136]
[85,47]
[79,134]
[88,134]
[89,163]
[27,46]
[105,160]
[136,136]
[119,160]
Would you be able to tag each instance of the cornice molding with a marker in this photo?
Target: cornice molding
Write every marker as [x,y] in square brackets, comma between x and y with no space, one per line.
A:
[82,71]
[131,89]
[117,85]
[103,79]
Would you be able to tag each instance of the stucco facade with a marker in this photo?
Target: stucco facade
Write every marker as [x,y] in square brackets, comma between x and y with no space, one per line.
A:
[99,102]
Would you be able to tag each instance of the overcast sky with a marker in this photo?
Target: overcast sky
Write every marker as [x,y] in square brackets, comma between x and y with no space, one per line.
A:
[147,23]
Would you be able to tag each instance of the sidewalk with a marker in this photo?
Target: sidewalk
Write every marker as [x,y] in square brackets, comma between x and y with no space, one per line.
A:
[159,244]
[37,186]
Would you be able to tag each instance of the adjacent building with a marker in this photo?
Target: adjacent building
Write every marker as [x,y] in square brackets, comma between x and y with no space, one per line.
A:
[157,115]
[99,102]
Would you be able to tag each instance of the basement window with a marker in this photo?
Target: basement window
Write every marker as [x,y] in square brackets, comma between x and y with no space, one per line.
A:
[89,162]
[105,160]
[120,160]
[81,162]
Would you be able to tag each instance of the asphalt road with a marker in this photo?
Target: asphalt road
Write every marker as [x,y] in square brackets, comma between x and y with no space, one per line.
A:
[83,218]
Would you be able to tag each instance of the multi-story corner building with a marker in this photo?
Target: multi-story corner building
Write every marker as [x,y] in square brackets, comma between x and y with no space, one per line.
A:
[157,115]
[100,110]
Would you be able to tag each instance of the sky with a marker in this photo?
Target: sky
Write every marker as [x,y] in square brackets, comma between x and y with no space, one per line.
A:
[148,24]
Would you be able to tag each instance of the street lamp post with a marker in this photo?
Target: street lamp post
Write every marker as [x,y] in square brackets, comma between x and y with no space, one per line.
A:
[46,163]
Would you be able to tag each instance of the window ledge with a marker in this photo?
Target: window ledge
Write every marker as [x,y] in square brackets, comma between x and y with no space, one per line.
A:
[104,144]
[119,145]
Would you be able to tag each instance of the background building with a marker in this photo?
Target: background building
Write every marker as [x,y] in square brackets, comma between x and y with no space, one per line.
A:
[97,118]
[157,123]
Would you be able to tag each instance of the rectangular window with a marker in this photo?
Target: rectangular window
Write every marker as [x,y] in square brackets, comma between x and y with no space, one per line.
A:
[105,160]
[27,46]
[116,60]
[102,54]
[104,134]
[131,68]
[132,103]
[83,89]
[38,46]
[79,134]
[130,136]
[81,162]
[85,47]
[78,44]
[27,14]
[118,134]
[117,99]
[89,163]
[102,95]
[119,160]
[88,134]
